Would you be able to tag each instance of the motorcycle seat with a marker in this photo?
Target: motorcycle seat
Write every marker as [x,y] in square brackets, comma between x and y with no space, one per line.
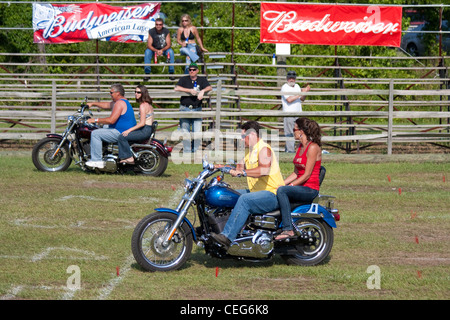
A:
[277,213]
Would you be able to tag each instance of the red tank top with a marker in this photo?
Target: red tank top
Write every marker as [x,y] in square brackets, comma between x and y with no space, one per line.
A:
[300,164]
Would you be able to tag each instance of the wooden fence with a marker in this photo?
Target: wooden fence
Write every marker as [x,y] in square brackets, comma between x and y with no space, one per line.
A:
[33,104]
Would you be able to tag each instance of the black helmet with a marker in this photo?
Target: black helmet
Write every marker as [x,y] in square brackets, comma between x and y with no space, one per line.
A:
[291,74]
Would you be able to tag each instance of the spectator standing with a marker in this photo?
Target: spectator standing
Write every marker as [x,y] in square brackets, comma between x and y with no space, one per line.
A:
[196,87]
[158,44]
[291,102]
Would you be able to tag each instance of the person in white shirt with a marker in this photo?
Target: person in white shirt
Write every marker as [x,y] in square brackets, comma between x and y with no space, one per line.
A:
[291,102]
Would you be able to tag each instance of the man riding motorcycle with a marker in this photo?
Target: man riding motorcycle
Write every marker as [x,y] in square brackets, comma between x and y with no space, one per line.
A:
[262,170]
[121,118]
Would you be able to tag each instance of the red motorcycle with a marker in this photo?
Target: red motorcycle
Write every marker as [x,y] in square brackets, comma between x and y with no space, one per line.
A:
[56,152]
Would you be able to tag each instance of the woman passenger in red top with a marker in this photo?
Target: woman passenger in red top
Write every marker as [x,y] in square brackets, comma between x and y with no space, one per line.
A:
[303,184]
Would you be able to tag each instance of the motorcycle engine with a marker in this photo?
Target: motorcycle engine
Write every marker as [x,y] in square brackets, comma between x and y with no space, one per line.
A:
[257,246]
[110,163]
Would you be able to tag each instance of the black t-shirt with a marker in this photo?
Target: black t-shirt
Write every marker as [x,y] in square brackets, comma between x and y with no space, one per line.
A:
[159,39]
[187,83]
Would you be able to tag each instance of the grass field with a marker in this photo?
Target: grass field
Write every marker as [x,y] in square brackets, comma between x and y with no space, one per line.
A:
[55,226]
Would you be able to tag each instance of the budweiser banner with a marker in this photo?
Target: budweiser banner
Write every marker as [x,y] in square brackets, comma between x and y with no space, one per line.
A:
[331,24]
[68,23]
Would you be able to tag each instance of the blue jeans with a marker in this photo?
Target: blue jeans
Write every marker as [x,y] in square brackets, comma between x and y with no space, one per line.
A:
[190,51]
[286,194]
[247,204]
[97,138]
[190,125]
[136,136]
[148,57]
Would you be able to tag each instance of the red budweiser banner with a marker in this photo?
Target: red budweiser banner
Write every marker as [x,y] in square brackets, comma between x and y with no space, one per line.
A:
[68,23]
[331,24]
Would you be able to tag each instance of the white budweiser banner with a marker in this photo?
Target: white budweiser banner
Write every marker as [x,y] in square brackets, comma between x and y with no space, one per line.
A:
[330,24]
[68,23]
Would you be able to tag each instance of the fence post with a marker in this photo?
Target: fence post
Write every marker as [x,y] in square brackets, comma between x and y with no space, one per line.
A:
[53,116]
[390,115]
[218,122]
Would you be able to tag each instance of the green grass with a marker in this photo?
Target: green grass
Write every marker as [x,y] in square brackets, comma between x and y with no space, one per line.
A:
[50,221]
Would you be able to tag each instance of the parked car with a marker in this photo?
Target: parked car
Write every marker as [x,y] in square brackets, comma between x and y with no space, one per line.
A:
[414,43]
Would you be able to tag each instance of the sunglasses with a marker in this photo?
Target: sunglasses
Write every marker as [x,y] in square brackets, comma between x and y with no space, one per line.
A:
[184,20]
[158,24]
[111,92]
[245,134]
[138,92]
[193,69]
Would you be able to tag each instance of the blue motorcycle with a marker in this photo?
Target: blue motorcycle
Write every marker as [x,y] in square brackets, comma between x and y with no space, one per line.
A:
[163,240]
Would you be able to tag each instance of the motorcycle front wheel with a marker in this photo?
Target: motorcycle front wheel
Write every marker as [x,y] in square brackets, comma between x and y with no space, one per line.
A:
[147,243]
[316,247]
[151,162]
[43,159]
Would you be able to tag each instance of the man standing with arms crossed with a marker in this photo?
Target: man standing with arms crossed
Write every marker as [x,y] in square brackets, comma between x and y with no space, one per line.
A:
[196,87]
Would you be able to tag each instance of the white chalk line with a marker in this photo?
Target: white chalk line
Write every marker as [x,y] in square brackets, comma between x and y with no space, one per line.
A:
[89,255]
[90,198]
[69,293]
[76,225]
[115,281]
[16,290]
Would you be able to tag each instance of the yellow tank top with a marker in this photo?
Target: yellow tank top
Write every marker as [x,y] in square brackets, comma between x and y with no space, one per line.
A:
[270,182]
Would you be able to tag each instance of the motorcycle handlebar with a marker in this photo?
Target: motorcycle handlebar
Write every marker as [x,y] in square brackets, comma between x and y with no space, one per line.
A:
[226,169]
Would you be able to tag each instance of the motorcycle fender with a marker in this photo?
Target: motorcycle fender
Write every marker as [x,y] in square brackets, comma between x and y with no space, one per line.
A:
[160,147]
[314,210]
[54,135]
[185,219]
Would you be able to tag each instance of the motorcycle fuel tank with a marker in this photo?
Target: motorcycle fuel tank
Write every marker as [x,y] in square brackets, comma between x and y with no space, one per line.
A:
[85,131]
[220,196]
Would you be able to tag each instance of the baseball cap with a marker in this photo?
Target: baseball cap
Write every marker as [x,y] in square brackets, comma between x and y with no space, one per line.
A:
[291,74]
[193,65]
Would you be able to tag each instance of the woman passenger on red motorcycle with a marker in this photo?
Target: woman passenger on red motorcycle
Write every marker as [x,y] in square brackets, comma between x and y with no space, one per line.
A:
[303,184]
[142,130]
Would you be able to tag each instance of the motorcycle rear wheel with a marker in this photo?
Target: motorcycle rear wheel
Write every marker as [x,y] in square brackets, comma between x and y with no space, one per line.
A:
[317,248]
[43,151]
[148,248]
[151,162]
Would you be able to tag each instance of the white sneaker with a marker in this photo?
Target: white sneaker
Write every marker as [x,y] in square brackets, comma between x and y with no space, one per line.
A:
[95,164]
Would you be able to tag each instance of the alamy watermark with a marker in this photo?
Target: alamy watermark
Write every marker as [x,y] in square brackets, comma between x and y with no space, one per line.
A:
[374,280]
[74,280]
[220,146]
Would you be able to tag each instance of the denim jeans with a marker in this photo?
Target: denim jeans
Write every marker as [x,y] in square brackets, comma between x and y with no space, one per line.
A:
[135,136]
[97,138]
[286,194]
[190,125]
[190,51]
[247,204]
[289,132]
[148,57]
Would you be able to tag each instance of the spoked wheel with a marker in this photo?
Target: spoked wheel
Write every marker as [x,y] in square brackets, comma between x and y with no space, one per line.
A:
[316,244]
[151,162]
[149,249]
[45,159]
